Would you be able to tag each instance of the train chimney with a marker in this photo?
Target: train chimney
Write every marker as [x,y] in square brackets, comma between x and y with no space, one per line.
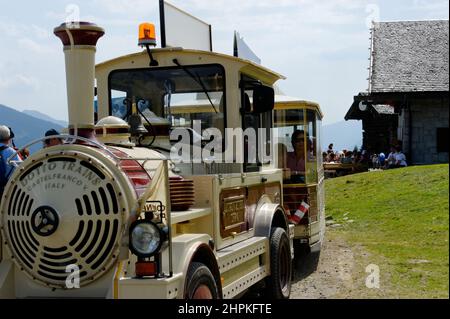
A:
[80,40]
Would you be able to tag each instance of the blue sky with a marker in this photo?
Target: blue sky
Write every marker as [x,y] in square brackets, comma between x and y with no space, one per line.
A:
[320,46]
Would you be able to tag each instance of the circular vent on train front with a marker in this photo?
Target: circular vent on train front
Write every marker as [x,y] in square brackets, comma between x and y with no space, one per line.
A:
[64,213]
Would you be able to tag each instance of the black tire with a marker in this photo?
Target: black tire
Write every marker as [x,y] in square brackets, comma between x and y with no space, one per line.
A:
[200,277]
[279,282]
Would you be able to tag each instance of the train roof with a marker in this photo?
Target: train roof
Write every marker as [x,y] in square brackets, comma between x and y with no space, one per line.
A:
[284,102]
[248,66]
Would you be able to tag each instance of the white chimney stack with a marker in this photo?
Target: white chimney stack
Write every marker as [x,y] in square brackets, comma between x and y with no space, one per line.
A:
[80,40]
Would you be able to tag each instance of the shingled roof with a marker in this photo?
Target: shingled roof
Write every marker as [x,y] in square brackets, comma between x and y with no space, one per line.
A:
[410,56]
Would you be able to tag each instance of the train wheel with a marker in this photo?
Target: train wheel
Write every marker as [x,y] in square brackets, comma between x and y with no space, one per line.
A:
[200,283]
[279,282]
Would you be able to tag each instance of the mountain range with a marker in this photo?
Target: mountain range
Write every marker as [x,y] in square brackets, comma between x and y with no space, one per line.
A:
[30,125]
[45,117]
[26,128]
[343,135]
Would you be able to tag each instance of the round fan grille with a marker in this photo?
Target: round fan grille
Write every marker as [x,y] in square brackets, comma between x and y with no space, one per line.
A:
[64,212]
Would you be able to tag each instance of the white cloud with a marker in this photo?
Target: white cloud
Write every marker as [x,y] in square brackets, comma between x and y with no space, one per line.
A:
[12,29]
[324,26]
[236,5]
[33,46]
[9,29]
[40,32]
[19,80]
[113,46]
[57,16]
[432,8]
[131,7]
[298,11]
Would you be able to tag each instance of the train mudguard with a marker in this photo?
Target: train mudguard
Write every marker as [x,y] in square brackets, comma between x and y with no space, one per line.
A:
[269,215]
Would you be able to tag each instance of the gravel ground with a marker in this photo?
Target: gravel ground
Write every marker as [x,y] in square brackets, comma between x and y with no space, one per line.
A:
[328,274]
[337,272]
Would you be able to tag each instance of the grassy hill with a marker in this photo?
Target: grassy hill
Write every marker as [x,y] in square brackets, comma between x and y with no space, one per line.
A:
[400,219]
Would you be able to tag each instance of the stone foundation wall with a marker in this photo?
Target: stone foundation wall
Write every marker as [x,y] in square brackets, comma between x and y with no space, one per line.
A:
[426,116]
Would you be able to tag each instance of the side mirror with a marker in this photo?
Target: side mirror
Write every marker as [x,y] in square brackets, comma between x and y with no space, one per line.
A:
[263,99]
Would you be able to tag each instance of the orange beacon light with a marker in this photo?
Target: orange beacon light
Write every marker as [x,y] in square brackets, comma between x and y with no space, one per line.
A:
[147,34]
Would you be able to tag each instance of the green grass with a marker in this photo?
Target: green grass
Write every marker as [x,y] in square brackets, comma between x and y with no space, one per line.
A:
[401,217]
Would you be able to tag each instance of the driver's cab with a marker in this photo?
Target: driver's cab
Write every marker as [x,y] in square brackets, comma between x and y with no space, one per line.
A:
[210,114]
[203,92]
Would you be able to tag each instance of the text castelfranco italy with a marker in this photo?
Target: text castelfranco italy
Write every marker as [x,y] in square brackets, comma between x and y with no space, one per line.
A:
[55,175]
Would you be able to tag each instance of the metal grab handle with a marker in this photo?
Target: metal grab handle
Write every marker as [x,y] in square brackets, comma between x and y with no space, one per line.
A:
[61,136]
[74,138]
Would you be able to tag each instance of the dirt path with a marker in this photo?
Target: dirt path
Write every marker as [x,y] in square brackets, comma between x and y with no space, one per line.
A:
[331,274]
[323,275]
[338,272]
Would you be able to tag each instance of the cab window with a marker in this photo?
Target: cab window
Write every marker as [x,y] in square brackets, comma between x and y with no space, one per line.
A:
[178,95]
[256,153]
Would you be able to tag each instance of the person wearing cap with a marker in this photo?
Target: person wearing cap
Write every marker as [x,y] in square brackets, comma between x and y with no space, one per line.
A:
[52,141]
[6,151]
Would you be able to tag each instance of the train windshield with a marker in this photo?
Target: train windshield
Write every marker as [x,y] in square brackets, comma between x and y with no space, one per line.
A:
[178,95]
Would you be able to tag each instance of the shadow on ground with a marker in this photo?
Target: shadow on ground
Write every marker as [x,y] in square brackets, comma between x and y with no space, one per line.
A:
[305,263]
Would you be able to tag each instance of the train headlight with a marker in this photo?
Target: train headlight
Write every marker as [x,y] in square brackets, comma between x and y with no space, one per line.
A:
[146,238]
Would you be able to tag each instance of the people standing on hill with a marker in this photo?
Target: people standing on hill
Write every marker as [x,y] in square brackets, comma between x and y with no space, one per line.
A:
[364,158]
[338,156]
[52,141]
[375,161]
[330,148]
[356,157]
[400,158]
[390,160]
[332,158]
[348,158]
[396,158]
[6,151]
[382,160]
[24,153]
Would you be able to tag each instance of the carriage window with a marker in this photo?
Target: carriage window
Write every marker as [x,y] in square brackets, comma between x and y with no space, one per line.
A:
[311,147]
[291,144]
[286,122]
[319,147]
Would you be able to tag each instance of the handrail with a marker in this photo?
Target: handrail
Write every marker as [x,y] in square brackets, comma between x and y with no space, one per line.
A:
[75,138]
[60,136]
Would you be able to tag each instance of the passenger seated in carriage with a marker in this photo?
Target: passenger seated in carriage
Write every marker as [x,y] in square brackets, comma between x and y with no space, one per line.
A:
[293,163]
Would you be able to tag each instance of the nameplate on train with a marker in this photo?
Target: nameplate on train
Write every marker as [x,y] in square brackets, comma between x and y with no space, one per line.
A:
[233,214]
[154,207]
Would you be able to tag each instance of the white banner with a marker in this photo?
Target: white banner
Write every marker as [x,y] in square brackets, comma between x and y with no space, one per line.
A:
[180,29]
[243,51]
